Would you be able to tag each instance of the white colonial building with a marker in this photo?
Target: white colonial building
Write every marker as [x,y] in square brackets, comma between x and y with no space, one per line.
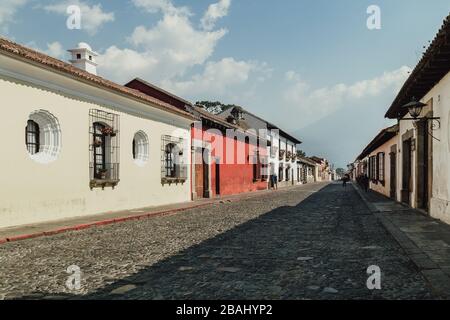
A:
[76,144]
[281,147]
[288,173]
[422,150]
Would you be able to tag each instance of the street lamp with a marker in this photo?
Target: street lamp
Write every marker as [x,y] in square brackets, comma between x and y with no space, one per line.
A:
[415,109]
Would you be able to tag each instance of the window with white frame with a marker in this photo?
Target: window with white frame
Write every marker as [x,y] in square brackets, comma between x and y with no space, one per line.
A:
[140,148]
[43,137]
[173,166]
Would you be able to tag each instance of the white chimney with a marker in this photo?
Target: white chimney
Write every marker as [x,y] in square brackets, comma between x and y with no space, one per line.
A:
[84,58]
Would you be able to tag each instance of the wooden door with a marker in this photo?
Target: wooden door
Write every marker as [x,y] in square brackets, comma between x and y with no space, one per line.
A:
[407,172]
[217,178]
[199,173]
[393,176]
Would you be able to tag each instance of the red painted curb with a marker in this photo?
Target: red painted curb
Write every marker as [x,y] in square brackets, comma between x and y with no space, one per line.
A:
[98,224]
[24,237]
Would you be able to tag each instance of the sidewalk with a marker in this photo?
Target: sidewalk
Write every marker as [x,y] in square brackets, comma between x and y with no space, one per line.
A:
[426,241]
[80,223]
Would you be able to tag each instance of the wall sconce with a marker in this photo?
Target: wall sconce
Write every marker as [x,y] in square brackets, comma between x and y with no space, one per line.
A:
[415,109]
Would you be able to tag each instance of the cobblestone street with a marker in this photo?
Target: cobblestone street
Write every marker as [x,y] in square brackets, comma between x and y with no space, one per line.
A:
[307,242]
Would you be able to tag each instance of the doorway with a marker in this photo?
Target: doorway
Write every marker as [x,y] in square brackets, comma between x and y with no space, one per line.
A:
[407,171]
[423,158]
[202,173]
[393,169]
[205,180]
[217,177]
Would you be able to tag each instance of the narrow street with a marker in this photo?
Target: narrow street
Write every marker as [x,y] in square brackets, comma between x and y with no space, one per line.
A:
[308,242]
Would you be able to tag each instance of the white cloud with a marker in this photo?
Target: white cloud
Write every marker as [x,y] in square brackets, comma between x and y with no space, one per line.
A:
[92,17]
[54,49]
[215,12]
[122,65]
[175,38]
[166,6]
[217,78]
[314,104]
[8,9]
[164,51]
[292,75]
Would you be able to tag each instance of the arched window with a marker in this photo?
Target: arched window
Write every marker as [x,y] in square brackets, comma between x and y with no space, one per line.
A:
[43,137]
[99,142]
[140,148]
[32,137]
[170,163]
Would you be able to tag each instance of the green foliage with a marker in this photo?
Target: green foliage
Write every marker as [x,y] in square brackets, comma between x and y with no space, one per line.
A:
[301,153]
[208,105]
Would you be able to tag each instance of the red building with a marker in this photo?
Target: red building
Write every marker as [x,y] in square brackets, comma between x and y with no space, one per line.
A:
[225,161]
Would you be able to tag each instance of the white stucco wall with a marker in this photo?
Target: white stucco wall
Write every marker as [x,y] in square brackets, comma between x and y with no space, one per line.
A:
[282,143]
[440,199]
[33,192]
[378,186]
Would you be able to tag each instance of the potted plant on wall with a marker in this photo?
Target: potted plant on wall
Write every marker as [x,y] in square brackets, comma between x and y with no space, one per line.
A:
[103,173]
[108,131]
[288,156]
[98,142]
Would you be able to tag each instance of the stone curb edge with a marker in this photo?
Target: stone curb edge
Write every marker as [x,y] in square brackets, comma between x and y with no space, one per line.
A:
[436,278]
[84,226]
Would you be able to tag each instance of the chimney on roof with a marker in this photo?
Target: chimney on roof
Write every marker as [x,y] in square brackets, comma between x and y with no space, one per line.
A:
[84,58]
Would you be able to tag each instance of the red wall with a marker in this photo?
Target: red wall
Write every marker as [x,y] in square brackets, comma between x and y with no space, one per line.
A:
[152,92]
[234,178]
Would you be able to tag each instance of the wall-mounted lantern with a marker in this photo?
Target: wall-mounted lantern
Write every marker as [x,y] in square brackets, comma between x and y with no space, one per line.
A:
[415,109]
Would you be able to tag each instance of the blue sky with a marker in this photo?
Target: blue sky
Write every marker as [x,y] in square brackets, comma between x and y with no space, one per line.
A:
[313,67]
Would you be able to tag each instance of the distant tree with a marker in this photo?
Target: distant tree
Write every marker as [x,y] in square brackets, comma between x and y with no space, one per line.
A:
[340,172]
[215,107]
[301,153]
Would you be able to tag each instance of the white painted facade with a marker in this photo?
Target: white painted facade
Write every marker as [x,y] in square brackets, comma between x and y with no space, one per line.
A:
[438,100]
[59,187]
[280,144]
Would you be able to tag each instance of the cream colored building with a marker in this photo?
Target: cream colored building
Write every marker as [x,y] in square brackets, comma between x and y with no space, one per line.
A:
[75,144]
[381,158]
[424,145]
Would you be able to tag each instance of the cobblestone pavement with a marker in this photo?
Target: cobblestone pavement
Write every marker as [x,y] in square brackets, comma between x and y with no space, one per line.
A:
[299,243]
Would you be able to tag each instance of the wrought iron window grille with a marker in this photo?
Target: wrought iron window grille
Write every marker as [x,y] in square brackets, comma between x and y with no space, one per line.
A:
[173,166]
[104,149]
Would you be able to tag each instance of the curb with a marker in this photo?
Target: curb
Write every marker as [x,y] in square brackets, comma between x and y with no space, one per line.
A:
[438,280]
[99,223]
[105,222]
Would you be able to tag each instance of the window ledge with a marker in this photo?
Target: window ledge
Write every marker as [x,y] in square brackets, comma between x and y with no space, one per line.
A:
[173,180]
[100,183]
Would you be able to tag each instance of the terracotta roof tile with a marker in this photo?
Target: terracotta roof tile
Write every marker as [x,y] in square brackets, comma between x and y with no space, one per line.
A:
[432,67]
[18,51]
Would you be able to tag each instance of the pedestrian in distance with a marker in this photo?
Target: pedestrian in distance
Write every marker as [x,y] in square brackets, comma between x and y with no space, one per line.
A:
[275,182]
[366,182]
[345,179]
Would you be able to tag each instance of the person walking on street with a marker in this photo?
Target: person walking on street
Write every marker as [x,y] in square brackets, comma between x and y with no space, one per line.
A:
[345,179]
[275,182]
[366,182]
